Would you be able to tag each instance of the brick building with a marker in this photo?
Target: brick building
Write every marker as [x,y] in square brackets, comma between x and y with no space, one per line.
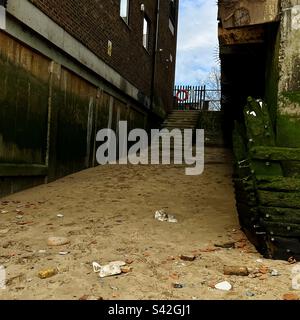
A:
[69,68]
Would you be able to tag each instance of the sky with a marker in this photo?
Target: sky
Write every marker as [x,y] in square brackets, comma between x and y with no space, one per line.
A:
[197,41]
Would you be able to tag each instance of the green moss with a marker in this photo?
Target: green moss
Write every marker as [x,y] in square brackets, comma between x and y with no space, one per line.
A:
[272,71]
[23,114]
[288,134]
[292,96]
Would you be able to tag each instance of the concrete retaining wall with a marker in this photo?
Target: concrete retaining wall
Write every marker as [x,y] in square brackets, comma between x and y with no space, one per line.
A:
[49,116]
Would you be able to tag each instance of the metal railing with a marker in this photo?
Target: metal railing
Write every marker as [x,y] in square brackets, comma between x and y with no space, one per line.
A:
[197,98]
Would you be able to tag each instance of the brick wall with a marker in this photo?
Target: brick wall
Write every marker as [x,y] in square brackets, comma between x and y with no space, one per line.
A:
[165,69]
[95,22]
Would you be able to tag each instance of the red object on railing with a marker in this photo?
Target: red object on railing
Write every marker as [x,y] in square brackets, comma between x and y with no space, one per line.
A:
[186,95]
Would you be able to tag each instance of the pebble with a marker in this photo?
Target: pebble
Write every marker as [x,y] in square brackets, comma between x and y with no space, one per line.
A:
[190,258]
[224,286]
[90,298]
[4,231]
[126,269]
[178,286]
[45,274]
[250,294]
[236,271]
[290,297]
[275,273]
[57,241]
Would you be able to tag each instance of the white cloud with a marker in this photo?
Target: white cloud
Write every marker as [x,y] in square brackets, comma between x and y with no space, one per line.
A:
[197,40]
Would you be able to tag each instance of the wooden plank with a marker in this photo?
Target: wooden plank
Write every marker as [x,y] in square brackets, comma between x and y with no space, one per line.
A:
[243,184]
[275,153]
[258,124]
[282,229]
[250,212]
[22,170]
[284,215]
[260,133]
[271,183]
[279,199]
[246,197]
[283,247]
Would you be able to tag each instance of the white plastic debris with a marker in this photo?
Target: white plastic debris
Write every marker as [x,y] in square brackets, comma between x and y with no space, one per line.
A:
[172,219]
[118,263]
[162,216]
[111,269]
[96,267]
[275,273]
[60,216]
[63,253]
[224,286]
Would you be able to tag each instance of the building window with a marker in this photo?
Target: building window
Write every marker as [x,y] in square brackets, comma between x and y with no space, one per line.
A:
[171,27]
[172,19]
[124,10]
[146,32]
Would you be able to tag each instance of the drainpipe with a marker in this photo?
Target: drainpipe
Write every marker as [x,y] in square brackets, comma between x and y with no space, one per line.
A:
[157,9]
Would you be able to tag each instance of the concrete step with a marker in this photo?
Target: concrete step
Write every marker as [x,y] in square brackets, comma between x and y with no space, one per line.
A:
[180,121]
[183,118]
[180,128]
[185,112]
[171,125]
[179,113]
[183,115]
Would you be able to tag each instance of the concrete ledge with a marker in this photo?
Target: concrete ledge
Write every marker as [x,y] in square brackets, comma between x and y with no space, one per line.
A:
[22,170]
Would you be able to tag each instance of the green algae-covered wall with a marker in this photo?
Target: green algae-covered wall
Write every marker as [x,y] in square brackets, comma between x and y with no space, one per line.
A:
[288,112]
[49,117]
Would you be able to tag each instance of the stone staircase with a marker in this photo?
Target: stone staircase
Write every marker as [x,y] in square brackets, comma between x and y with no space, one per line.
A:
[182,120]
[177,120]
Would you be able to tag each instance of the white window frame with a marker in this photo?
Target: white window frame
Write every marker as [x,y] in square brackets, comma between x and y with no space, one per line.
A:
[146,32]
[124,10]
[171,27]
